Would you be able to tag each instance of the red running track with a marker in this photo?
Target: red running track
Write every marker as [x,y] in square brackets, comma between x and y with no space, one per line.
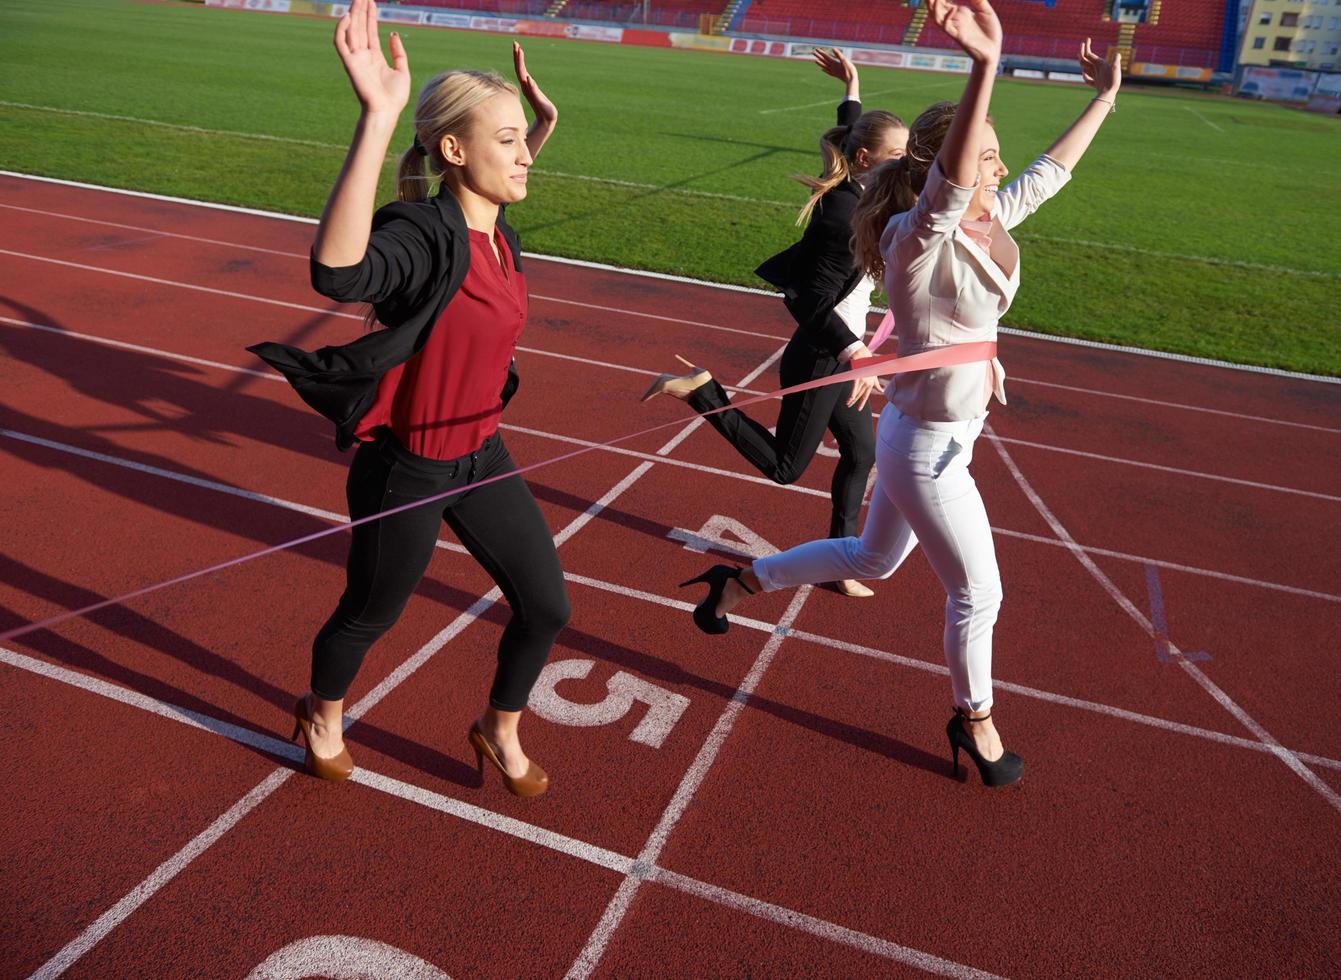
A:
[778,802]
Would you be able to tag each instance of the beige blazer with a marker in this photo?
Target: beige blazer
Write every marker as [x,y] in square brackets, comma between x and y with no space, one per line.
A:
[945,289]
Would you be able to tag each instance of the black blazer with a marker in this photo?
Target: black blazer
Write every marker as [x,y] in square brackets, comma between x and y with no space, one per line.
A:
[819,270]
[417,258]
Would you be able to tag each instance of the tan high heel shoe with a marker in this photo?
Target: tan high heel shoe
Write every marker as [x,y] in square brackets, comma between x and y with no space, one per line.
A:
[533,783]
[333,769]
[679,386]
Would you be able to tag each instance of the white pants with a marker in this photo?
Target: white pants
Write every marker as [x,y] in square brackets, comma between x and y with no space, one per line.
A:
[923,492]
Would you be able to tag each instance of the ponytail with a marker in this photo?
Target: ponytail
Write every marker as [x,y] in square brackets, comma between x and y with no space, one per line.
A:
[833,146]
[445,106]
[889,192]
[895,186]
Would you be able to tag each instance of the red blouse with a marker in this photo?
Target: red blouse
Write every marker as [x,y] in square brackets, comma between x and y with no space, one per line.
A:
[446,400]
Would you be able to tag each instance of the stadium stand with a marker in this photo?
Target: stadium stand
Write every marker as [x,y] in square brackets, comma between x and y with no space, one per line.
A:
[1033,29]
[1186,32]
[687,14]
[874,22]
[511,8]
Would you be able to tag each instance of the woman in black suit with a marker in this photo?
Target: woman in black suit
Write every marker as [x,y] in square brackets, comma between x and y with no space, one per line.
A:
[828,297]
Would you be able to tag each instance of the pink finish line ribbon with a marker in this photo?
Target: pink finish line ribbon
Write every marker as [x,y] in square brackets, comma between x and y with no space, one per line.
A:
[863,368]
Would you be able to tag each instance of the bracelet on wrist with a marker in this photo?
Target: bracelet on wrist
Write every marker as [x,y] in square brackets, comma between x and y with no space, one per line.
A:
[1112,106]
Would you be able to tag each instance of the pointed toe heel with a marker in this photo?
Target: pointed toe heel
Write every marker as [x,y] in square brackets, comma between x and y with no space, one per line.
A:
[678,385]
[533,783]
[995,772]
[333,769]
[705,613]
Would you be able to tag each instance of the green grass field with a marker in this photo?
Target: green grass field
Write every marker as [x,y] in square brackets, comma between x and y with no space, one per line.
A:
[1197,225]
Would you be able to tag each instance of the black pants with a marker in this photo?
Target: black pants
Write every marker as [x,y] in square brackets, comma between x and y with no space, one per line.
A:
[499,524]
[802,420]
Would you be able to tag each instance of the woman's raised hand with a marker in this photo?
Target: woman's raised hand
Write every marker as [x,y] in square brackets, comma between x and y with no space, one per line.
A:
[1105,76]
[381,88]
[544,109]
[833,62]
[972,24]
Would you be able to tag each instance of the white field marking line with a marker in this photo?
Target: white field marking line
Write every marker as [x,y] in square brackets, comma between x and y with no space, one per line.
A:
[198,130]
[810,105]
[561,843]
[1167,469]
[1203,119]
[733,287]
[1179,405]
[615,911]
[1184,256]
[1197,674]
[294,141]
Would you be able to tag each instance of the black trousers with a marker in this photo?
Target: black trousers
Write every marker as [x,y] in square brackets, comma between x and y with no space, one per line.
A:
[802,420]
[499,524]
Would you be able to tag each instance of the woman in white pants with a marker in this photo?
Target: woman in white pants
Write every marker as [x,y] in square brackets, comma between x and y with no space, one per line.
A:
[935,225]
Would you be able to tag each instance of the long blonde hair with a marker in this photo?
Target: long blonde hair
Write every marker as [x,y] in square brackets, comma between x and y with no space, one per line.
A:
[894,186]
[838,149]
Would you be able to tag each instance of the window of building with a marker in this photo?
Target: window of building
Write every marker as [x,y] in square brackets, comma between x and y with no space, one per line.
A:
[1282,44]
[1289,20]
[1265,18]
[1259,43]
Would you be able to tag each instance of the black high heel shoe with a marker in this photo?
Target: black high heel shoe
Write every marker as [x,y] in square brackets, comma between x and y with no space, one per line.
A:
[999,772]
[715,578]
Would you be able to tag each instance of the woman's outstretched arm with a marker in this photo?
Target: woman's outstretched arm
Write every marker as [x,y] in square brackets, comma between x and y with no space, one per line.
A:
[382,90]
[833,62]
[1106,77]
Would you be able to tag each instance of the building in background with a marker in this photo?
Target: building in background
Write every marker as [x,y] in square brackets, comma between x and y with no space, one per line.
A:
[1293,34]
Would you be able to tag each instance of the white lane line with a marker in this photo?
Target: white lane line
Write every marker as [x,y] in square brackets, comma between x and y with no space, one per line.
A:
[540,836]
[109,920]
[610,920]
[1204,119]
[682,464]
[164,873]
[1167,469]
[84,219]
[1017,380]
[330,311]
[733,287]
[1172,565]
[1197,674]
[818,927]
[760,625]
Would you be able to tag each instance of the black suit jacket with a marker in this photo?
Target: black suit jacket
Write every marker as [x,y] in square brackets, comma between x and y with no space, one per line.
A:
[819,270]
[417,258]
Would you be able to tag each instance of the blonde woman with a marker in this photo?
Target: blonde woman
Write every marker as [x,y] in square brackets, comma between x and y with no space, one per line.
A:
[828,296]
[936,224]
[421,397]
